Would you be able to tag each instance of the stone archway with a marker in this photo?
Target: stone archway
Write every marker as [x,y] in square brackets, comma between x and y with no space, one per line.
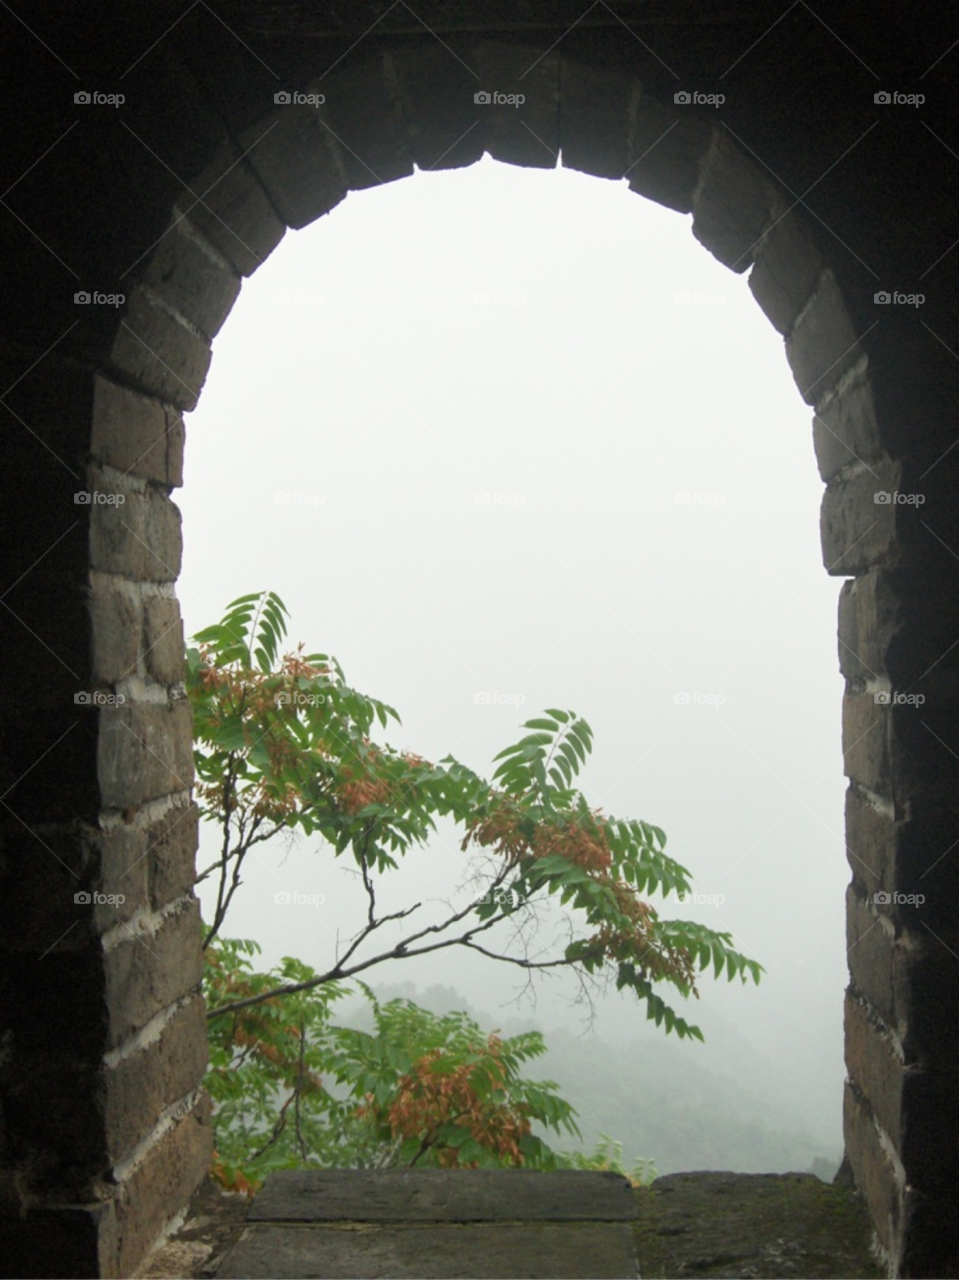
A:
[169,205]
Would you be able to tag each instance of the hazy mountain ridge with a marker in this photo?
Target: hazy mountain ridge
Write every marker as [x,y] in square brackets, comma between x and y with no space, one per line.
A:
[654,1094]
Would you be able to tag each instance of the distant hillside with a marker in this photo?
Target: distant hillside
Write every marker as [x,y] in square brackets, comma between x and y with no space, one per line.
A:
[654,1094]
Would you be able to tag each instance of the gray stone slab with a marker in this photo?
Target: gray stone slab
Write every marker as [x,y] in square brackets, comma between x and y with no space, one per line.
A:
[443,1195]
[424,1251]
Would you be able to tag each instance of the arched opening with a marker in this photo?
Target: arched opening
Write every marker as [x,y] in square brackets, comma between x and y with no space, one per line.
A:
[546,337]
[91,597]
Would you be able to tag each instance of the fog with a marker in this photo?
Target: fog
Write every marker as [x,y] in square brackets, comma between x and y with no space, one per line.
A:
[508,439]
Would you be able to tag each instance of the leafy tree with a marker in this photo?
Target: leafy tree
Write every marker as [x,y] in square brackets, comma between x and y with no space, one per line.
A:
[283,743]
[290,1089]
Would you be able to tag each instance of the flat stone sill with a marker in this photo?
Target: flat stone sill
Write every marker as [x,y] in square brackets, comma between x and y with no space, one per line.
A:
[511,1223]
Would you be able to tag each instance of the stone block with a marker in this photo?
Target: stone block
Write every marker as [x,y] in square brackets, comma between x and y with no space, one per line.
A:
[526,134]
[857,532]
[668,149]
[435,89]
[191,278]
[138,538]
[160,1186]
[136,434]
[786,269]
[144,753]
[873,1171]
[363,106]
[157,353]
[116,615]
[141,1086]
[293,154]
[824,343]
[733,205]
[171,844]
[149,971]
[871,948]
[163,639]
[597,108]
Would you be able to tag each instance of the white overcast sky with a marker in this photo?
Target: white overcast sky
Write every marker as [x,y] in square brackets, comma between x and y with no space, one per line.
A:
[515,433]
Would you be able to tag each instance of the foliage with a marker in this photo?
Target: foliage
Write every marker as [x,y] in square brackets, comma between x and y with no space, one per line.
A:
[608,1155]
[291,1090]
[282,742]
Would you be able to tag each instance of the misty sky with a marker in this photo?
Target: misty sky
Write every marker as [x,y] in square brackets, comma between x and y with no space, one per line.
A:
[506,439]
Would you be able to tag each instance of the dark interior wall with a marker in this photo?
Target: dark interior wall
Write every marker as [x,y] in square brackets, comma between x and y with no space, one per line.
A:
[170,197]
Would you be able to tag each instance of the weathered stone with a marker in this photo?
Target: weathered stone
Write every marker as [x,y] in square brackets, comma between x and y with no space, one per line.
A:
[164,1181]
[431,1195]
[787,266]
[192,279]
[136,434]
[733,204]
[147,972]
[137,538]
[294,157]
[171,844]
[876,1177]
[143,1085]
[824,343]
[144,753]
[555,1249]
[597,109]
[365,122]
[436,88]
[159,354]
[117,618]
[528,133]
[163,639]
[668,149]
